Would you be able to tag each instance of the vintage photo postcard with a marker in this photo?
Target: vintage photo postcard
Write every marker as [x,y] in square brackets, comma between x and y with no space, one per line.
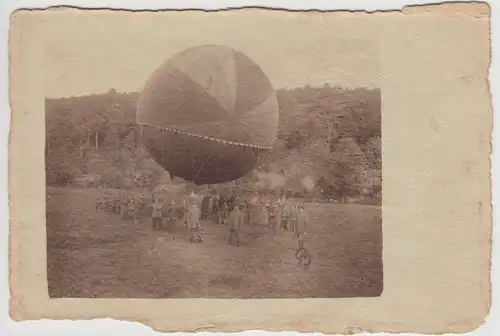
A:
[252,168]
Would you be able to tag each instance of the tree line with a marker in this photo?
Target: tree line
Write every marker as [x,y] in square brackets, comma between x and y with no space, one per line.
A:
[330,134]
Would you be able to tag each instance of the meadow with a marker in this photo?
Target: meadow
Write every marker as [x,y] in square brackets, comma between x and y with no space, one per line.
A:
[94,254]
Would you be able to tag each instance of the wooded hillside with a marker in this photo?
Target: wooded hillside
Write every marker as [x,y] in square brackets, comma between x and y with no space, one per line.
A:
[328,146]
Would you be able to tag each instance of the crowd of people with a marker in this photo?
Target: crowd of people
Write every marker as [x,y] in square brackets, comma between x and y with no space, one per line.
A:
[233,211]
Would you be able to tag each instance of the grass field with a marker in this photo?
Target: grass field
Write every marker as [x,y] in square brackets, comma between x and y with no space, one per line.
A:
[96,254]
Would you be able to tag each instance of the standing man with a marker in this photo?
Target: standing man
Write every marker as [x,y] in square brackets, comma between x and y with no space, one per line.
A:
[157,213]
[264,213]
[235,221]
[277,218]
[286,217]
[193,220]
[293,218]
[254,212]
[215,205]
[300,225]
[205,207]
[231,202]
[135,208]
[170,217]
[222,211]
[210,205]
[248,207]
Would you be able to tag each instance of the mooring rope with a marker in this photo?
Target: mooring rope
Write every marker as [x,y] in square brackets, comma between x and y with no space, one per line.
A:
[233,143]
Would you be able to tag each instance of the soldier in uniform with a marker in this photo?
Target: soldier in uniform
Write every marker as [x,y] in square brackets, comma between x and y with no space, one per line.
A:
[254,210]
[264,213]
[193,220]
[276,218]
[210,205]
[285,216]
[205,203]
[223,212]
[215,205]
[300,225]
[293,218]
[157,213]
[235,221]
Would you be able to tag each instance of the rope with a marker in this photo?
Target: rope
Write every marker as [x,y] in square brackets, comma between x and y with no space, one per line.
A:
[233,143]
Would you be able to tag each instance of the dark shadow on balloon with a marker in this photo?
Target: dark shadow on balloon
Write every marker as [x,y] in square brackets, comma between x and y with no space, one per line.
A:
[201,161]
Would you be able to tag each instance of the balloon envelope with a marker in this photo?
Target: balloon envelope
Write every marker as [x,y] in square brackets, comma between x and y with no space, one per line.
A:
[207,113]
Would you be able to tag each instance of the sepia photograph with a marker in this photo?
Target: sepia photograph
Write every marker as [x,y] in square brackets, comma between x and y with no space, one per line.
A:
[216,180]
[252,169]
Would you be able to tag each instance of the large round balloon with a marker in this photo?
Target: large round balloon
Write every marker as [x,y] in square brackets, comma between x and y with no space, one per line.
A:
[207,113]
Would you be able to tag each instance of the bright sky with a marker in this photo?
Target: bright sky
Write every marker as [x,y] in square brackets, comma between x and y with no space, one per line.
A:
[91,53]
